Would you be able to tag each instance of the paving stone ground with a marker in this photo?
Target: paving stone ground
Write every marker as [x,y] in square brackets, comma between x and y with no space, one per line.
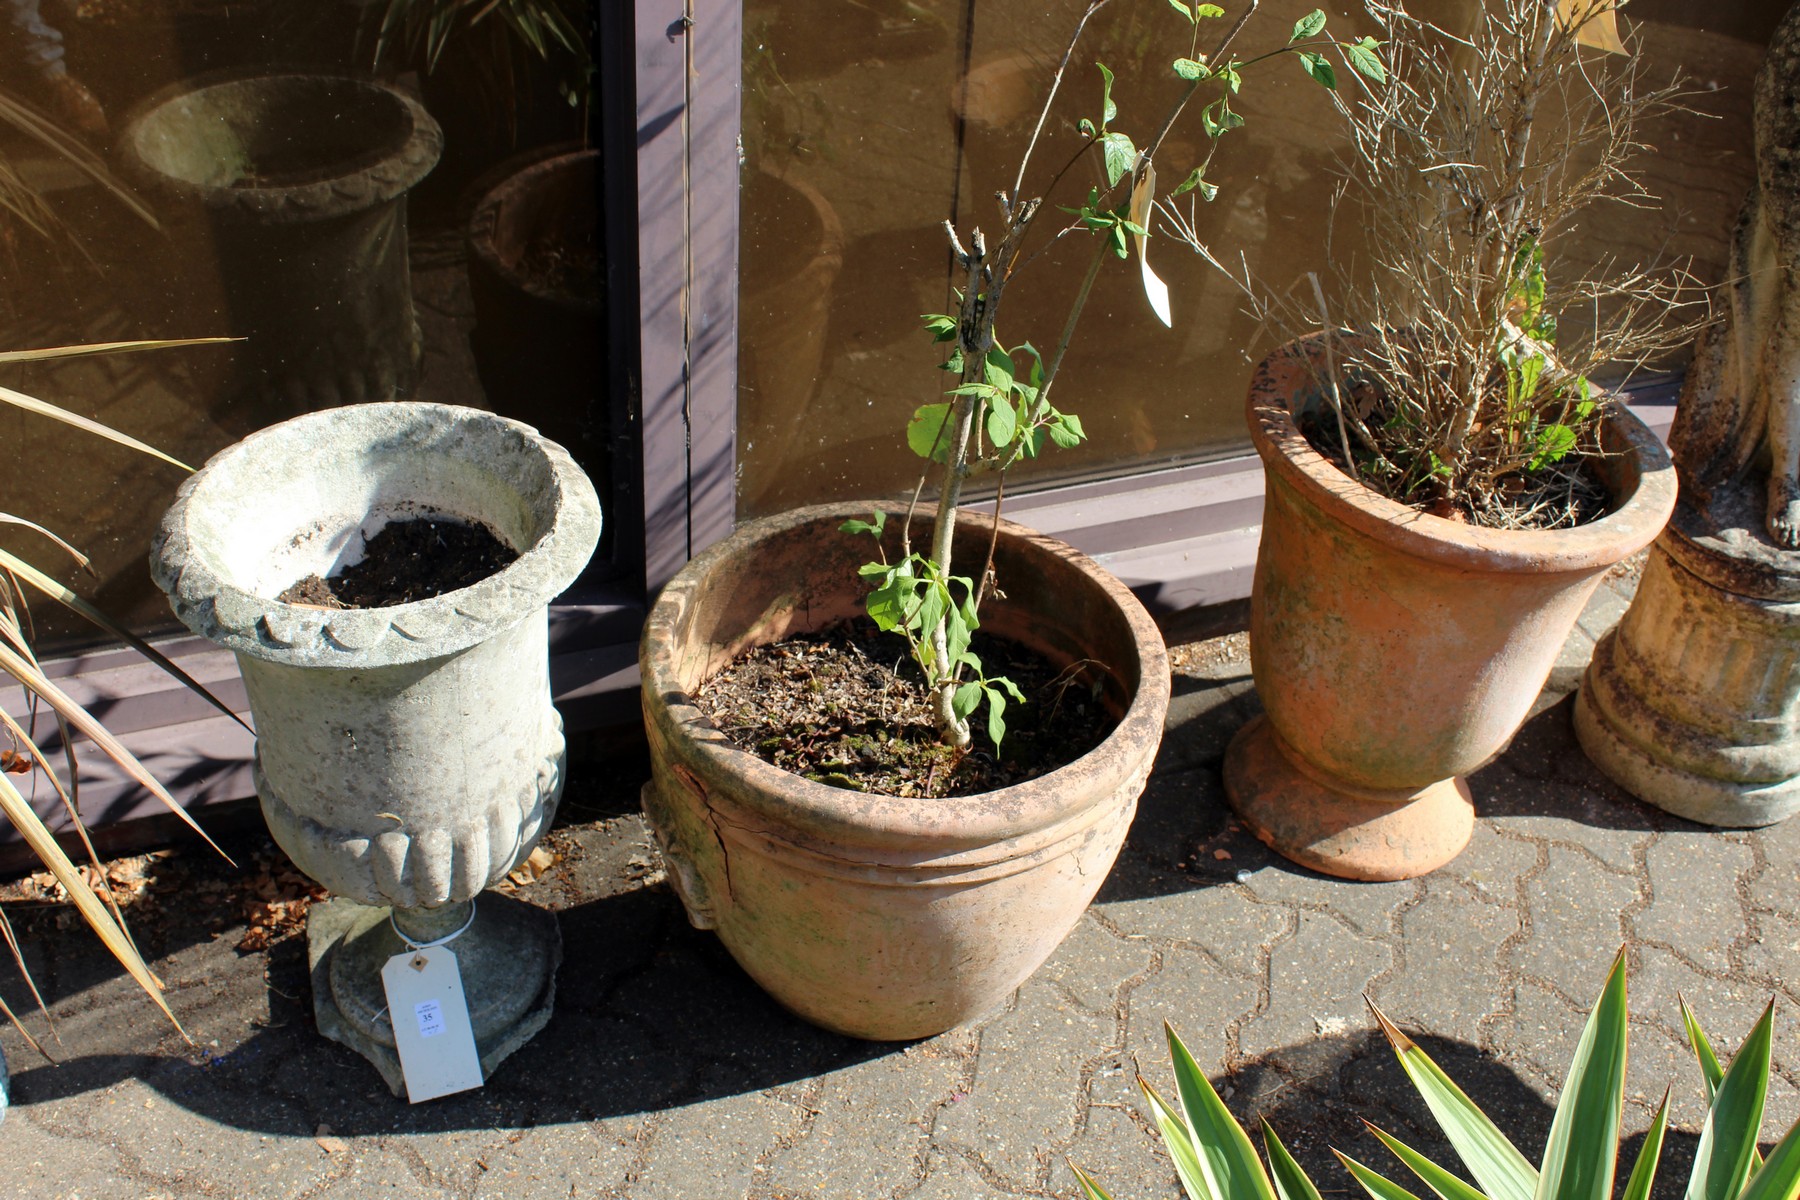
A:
[667,1075]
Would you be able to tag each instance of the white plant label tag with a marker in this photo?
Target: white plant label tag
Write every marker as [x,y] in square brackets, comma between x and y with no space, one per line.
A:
[432,1031]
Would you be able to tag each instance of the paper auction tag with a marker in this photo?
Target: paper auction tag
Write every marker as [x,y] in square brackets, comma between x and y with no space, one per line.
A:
[432,1031]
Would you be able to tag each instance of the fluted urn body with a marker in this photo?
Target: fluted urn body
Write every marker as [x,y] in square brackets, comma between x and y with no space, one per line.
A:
[407,757]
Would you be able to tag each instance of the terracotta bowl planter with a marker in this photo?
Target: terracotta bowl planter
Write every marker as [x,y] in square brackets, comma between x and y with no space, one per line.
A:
[1396,651]
[876,916]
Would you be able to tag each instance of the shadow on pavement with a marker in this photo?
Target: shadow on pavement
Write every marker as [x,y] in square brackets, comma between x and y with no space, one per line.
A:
[649,1014]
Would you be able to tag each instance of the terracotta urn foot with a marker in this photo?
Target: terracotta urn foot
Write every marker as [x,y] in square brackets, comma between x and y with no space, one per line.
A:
[508,959]
[1352,833]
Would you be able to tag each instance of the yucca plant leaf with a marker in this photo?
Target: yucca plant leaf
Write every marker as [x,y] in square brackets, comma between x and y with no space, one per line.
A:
[1779,1178]
[32,405]
[1728,1139]
[16,810]
[1643,1173]
[1089,1189]
[1179,1140]
[1498,1167]
[1710,1070]
[1375,1183]
[28,675]
[1446,1184]
[1582,1152]
[1290,1178]
[75,603]
[1227,1159]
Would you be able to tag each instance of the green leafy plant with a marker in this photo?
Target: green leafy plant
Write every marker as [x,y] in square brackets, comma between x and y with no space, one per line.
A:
[1215,1159]
[999,410]
[18,579]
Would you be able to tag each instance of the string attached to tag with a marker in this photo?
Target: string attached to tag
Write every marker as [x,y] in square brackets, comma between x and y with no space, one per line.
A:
[443,941]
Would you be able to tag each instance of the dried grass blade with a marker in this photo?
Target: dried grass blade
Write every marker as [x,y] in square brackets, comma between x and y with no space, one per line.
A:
[81,560]
[28,121]
[63,595]
[43,409]
[18,957]
[13,806]
[74,714]
[85,349]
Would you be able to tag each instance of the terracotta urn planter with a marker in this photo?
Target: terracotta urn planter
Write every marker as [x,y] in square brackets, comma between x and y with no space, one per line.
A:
[286,200]
[407,757]
[871,915]
[1396,651]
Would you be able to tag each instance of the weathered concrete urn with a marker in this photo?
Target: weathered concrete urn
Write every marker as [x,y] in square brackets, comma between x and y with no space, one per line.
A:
[1693,702]
[879,916]
[1395,651]
[407,757]
[291,188]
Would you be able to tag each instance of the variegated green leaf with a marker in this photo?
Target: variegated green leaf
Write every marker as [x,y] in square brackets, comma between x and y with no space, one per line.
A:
[1583,1148]
[1227,1159]
[1722,1163]
[1498,1167]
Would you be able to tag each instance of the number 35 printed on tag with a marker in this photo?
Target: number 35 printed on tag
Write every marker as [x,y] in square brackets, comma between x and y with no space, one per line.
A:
[431,1018]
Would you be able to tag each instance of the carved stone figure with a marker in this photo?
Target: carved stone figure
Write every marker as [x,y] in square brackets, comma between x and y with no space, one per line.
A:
[1741,409]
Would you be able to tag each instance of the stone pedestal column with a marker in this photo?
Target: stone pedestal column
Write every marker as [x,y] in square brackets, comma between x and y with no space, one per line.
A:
[407,757]
[1693,702]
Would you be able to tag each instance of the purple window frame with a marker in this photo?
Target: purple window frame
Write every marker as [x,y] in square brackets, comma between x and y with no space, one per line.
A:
[1184,538]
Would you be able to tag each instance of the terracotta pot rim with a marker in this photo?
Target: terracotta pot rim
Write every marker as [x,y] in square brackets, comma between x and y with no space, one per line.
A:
[909,826]
[1639,516]
[484,220]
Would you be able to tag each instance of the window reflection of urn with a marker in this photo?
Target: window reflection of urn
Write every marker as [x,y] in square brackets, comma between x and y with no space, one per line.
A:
[285,196]
[407,757]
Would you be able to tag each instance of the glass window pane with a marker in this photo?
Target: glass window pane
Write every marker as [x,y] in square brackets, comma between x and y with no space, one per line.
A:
[249,169]
[867,125]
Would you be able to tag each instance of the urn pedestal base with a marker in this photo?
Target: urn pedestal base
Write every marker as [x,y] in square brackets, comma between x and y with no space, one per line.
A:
[1336,829]
[508,959]
[1693,703]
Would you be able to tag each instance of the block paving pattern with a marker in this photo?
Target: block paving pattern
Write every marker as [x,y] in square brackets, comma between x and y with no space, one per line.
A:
[667,1075]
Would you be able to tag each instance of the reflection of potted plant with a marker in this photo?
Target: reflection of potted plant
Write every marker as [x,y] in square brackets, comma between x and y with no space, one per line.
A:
[902,913]
[294,186]
[408,755]
[1215,1160]
[537,276]
[496,74]
[1445,487]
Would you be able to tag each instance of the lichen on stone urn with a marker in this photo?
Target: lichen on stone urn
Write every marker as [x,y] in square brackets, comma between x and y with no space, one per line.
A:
[407,756]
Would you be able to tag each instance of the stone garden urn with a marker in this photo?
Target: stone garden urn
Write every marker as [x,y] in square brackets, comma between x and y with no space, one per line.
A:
[285,196]
[407,757]
[1693,702]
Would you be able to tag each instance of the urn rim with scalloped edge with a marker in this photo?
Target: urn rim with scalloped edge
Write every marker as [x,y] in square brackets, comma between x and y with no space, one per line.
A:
[291,500]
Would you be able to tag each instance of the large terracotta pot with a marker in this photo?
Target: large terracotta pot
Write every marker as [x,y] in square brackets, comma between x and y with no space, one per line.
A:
[1395,651]
[872,915]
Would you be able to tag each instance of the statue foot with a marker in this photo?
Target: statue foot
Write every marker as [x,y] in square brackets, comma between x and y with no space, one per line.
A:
[1784,512]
